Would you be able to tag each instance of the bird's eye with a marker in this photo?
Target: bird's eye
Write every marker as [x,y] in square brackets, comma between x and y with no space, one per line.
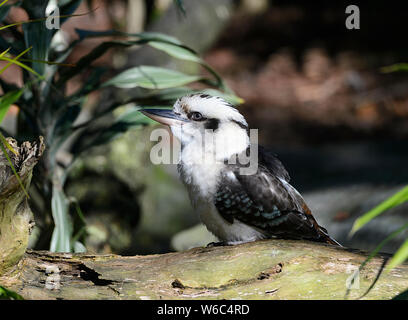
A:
[196,116]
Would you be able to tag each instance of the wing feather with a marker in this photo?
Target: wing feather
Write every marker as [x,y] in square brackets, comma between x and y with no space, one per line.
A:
[267,201]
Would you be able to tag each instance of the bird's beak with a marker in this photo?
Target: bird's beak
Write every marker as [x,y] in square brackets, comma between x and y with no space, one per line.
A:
[164,116]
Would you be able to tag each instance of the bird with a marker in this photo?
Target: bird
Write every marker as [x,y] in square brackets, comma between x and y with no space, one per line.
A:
[235,206]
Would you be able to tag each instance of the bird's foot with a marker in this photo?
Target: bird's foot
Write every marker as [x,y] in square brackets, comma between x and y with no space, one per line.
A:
[217,244]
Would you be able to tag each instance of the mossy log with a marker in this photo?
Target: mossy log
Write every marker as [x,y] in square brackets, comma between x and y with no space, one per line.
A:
[16,219]
[268,269]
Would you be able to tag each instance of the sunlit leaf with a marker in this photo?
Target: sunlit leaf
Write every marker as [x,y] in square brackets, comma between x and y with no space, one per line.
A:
[395,200]
[377,250]
[6,294]
[22,66]
[7,100]
[399,257]
[3,2]
[176,51]
[14,59]
[4,10]
[62,17]
[395,67]
[150,77]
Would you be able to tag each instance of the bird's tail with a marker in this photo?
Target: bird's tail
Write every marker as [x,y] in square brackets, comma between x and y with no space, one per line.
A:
[325,237]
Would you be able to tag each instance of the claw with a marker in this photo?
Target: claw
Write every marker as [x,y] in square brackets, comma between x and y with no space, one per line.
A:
[217,244]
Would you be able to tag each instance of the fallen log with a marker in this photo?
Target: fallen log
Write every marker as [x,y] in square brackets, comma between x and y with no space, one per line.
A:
[267,269]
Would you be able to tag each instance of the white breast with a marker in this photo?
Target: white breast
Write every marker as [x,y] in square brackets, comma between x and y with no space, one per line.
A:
[232,233]
[201,180]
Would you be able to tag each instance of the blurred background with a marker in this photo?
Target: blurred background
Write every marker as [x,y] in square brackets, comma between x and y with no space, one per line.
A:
[317,92]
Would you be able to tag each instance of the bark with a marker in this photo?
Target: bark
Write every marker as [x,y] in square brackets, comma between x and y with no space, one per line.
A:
[16,220]
[268,269]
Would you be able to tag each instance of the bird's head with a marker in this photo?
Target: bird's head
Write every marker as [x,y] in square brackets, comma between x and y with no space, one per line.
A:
[199,118]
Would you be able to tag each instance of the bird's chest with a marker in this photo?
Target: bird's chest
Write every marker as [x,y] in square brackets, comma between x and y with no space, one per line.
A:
[200,174]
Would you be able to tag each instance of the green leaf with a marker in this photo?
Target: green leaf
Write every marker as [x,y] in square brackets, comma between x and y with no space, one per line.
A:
[4,10]
[22,66]
[399,257]
[150,77]
[3,2]
[7,100]
[13,60]
[402,296]
[176,51]
[395,200]
[38,36]
[395,67]
[61,236]
[376,251]
[6,294]
[145,36]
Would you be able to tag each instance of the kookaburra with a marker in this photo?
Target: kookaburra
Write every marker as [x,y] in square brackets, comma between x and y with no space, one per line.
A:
[234,206]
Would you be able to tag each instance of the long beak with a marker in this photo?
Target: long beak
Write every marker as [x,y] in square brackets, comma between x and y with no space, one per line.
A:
[164,116]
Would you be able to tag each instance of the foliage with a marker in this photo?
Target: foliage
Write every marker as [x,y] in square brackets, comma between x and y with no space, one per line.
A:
[6,294]
[399,198]
[46,109]
[402,253]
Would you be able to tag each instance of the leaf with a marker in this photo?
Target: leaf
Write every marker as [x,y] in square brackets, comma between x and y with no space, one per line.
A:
[3,2]
[61,236]
[399,257]
[393,201]
[146,36]
[22,66]
[7,100]
[13,60]
[85,61]
[395,67]
[79,247]
[38,36]
[176,51]
[376,251]
[150,77]
[402,296]
[6,294]
[4,10]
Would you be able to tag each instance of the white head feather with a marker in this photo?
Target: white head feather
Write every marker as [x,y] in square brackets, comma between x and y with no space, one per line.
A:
[229,137]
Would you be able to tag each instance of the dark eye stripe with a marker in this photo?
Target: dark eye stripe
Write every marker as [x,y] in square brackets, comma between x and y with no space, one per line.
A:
[212,124]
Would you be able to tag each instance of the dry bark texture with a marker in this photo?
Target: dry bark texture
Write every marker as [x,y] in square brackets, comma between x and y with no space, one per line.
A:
[16,220]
